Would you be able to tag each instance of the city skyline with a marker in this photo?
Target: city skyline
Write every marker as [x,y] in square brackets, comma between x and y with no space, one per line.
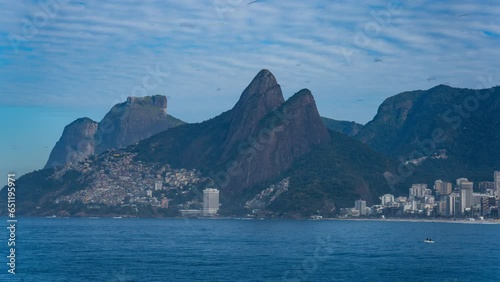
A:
[445,201]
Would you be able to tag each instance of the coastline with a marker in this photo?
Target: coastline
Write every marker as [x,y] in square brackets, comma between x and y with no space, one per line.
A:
[459,221]
[462,221]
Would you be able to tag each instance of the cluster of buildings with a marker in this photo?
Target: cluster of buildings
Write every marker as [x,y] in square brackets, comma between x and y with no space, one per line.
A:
[445,199]
[115,179]
[268,195]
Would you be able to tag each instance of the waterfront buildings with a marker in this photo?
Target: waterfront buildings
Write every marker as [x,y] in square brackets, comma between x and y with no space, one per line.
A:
[360,205]
[466,195]
[210,201]
[442,187]
[419,191]
[452,204]
[460,180]
[387,199]
[496,177]
[464,201]
[486,186]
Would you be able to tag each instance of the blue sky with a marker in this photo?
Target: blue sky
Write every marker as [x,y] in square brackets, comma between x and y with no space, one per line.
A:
[64,59]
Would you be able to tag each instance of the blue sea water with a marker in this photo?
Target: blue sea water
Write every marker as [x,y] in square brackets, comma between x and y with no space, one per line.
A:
[78,249]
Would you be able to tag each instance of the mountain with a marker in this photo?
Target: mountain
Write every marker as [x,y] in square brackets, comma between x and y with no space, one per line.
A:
[126,123]
[349,128]
[450,132]
[274,156]
[136,119]
[257,139]
[75,144]
[258,99]
[333,176]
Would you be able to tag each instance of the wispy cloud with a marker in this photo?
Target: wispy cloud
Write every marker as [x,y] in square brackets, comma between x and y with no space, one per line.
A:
[91,53]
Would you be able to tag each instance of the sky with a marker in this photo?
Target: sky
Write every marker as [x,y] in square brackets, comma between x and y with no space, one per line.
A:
[64,59]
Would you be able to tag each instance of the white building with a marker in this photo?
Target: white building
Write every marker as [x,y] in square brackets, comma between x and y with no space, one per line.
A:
[360,205]
[451,204]
[460,180]
[386,199]
[466,195]
[429,200]
[210,201]
[419,191]
[496,177]
[158,185]
[441,207]
[442,187]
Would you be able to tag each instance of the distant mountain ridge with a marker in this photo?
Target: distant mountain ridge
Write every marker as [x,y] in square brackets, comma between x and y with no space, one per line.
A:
[265,142]
[349,128]
[262,139]
[460,128]
[125,124]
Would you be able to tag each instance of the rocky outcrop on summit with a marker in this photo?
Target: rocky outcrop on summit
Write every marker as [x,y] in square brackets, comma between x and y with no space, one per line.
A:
[75,144]
[126,123]
[136,119]
[260,97]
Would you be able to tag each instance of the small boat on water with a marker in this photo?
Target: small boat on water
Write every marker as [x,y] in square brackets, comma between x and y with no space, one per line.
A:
[428,241]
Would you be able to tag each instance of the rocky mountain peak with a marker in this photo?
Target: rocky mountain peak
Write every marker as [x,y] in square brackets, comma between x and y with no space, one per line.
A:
[126,123]
[258,99]
[75,144]
[301,108]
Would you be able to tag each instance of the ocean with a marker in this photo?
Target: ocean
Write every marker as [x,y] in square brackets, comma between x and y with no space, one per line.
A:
[107,249]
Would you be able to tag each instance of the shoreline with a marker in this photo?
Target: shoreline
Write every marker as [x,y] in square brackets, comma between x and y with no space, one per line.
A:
[460,221]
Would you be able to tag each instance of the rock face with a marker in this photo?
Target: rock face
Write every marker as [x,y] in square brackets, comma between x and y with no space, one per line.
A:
[256,140]
[383,132]
[349,128]
[126,123]
[457,130]
[136,119]
[75,144]
[281,136]
[260,97]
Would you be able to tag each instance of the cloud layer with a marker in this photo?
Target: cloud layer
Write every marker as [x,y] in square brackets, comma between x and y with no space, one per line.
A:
[352,56]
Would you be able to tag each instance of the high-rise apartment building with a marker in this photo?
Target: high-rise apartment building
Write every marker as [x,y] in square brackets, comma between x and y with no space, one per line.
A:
[460,180]
[443,187]
[210,201]
[360,205]
[419,191]
[466,195]
[452,204]
[484,186]
[386,199]
[496,177]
